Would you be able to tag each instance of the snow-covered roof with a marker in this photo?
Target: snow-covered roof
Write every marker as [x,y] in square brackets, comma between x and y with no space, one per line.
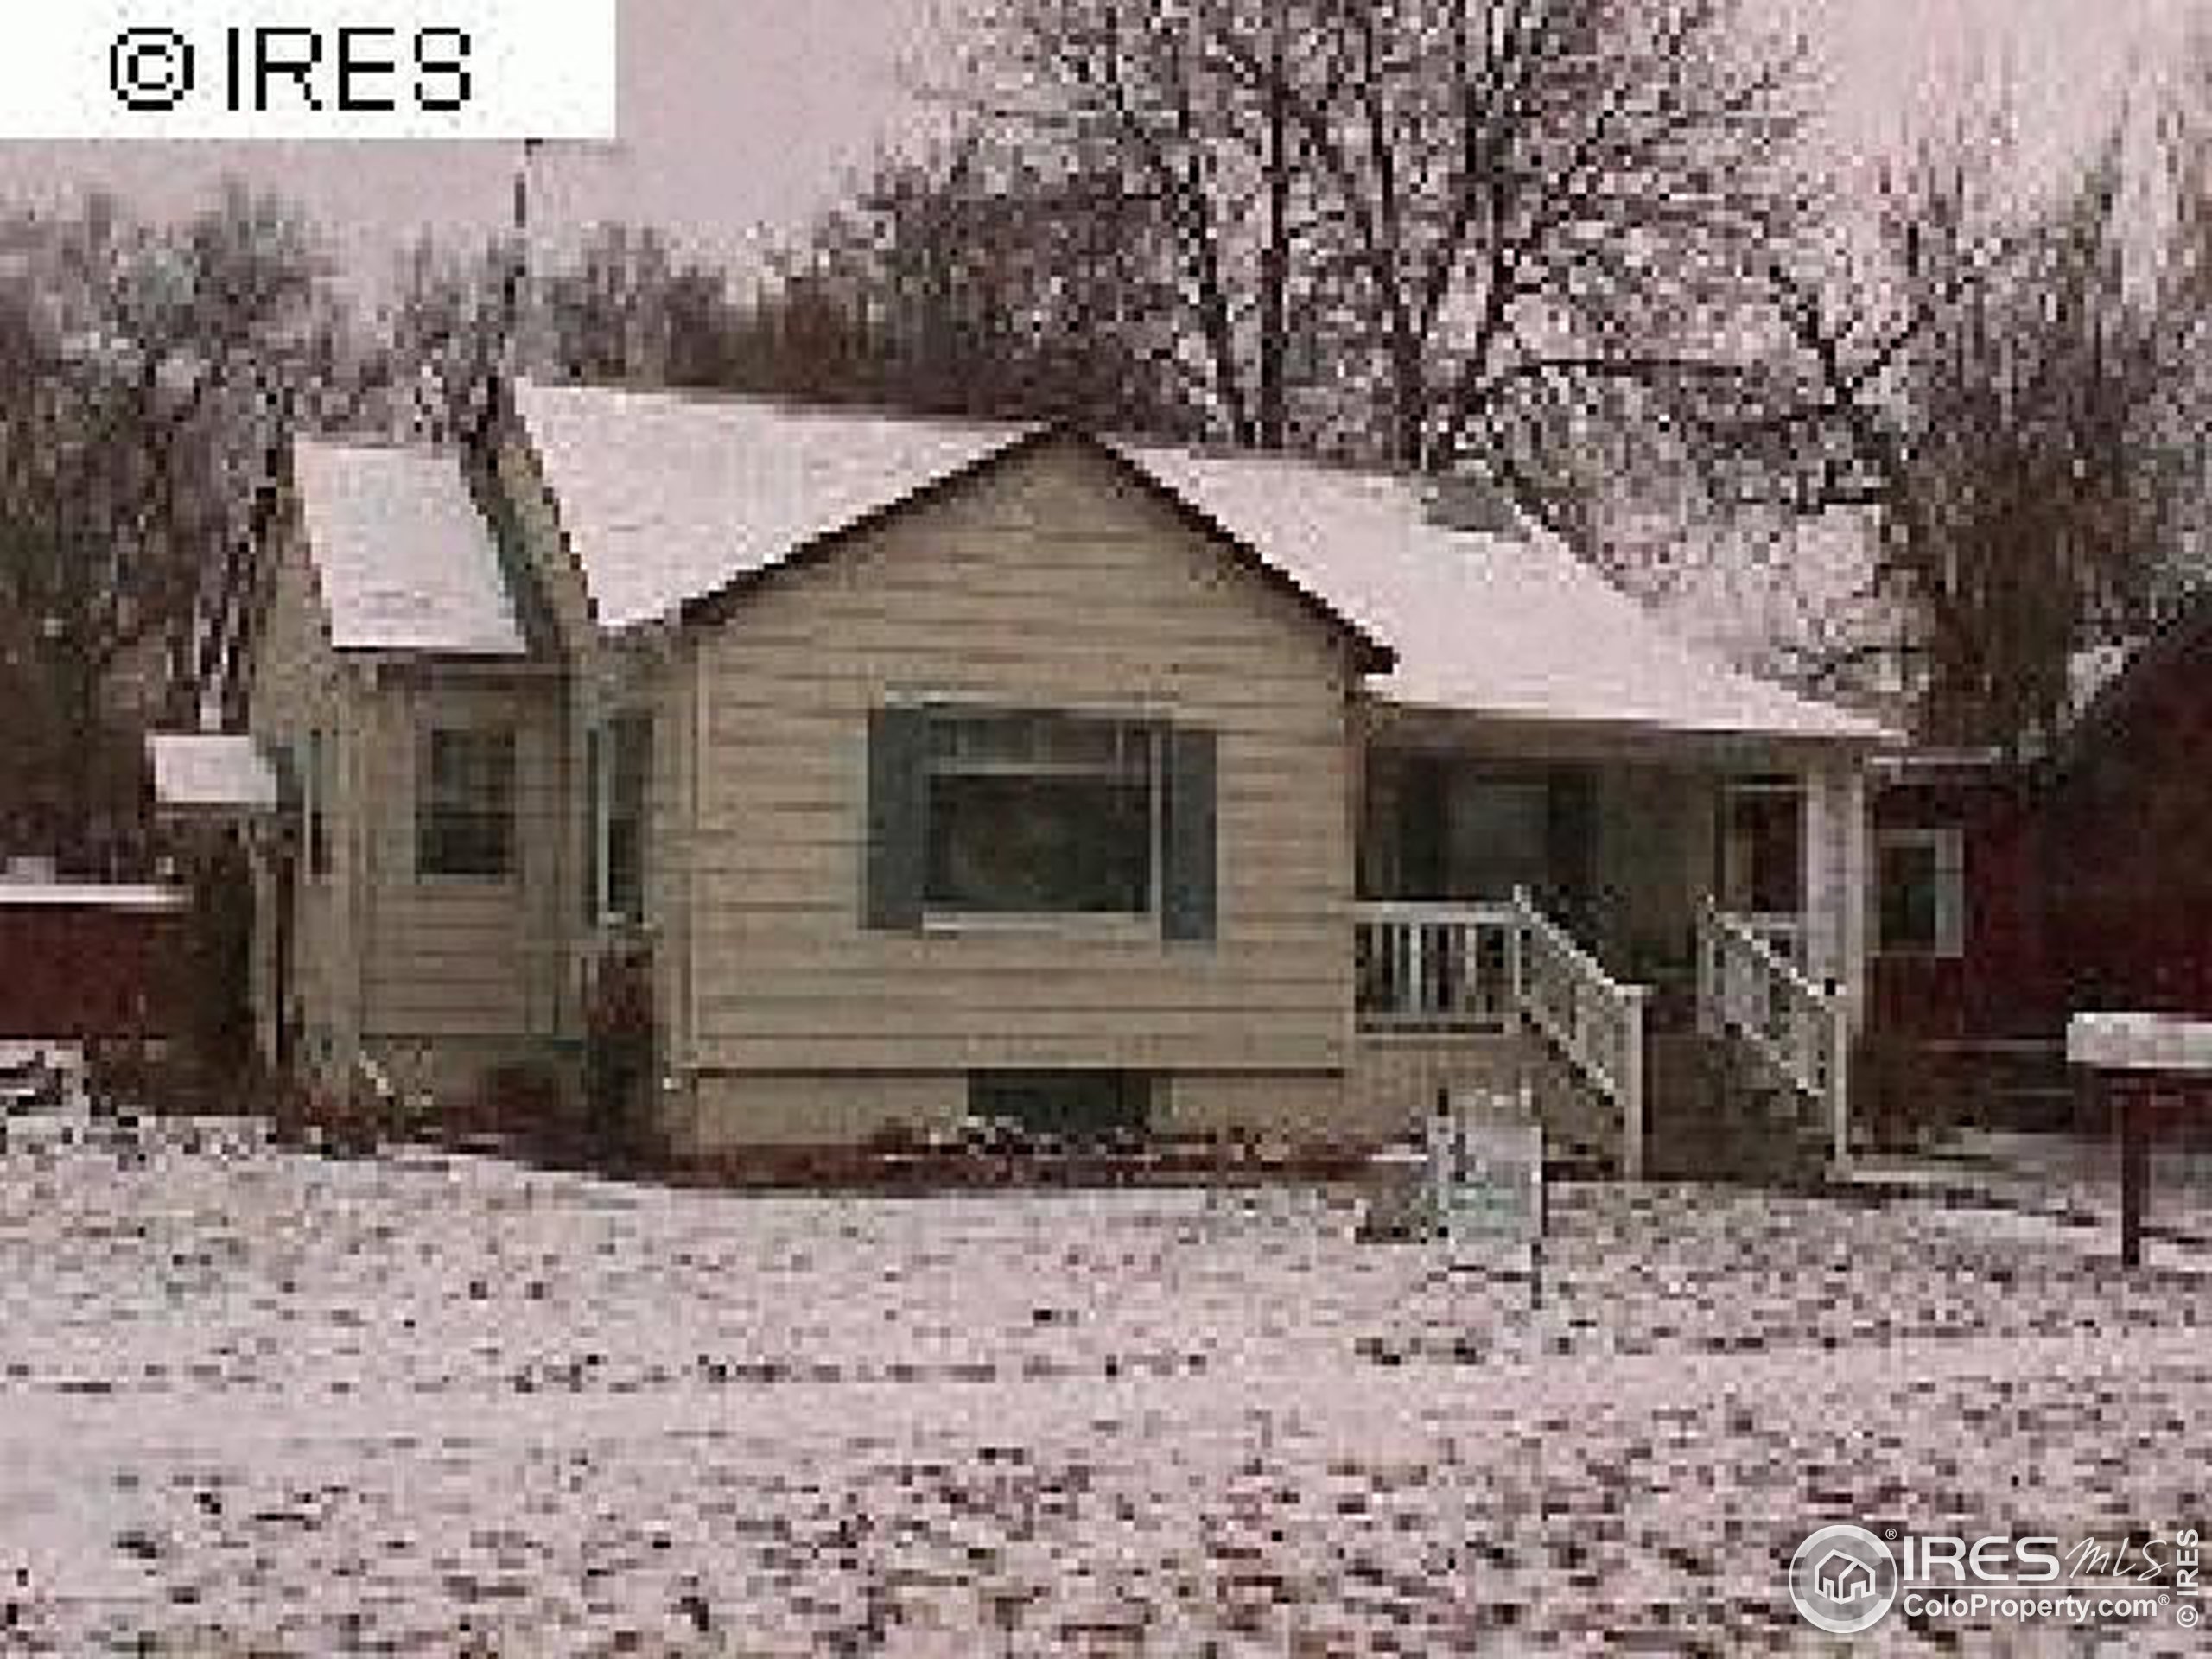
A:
[1504,623]
[211,771]
[402,555]
[667,499]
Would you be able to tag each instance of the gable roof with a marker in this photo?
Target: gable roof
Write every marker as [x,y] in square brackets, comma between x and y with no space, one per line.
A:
[1511,624]
[674,504]
[402,553]
[666,498]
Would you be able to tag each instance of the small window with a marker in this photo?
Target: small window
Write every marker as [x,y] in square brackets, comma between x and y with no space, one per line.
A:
[1920,887]
[1041,814]
[621,758]
[464,822]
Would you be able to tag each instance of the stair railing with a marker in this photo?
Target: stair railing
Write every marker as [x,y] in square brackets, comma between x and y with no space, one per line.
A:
[1798,1030]
[1595,1022]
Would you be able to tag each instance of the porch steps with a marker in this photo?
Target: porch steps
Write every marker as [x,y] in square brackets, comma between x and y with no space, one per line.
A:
[1712,1115]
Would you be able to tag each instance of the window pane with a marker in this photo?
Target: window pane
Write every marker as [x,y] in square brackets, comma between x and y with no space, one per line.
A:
[1037,812]
[629,769]
[1012,843]
[1909,897]
[465,821]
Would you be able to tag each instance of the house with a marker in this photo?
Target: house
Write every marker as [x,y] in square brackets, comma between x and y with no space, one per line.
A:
[917,768]
[1843,1578]
[2015,891]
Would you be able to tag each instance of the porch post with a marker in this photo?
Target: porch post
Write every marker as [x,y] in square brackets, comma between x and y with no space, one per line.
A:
[1823,827]
[1855,888]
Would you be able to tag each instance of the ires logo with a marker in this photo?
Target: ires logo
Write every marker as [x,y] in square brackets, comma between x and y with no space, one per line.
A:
[1934,1559]
[352,71]
[337,69]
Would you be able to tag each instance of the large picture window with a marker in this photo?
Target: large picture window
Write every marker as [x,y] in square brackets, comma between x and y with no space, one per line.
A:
[1041,814]
[464,809]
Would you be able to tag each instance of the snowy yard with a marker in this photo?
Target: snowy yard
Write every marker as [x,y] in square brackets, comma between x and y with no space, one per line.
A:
[257,1402]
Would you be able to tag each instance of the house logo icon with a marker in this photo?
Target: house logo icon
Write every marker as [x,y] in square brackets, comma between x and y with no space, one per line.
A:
[1843,1580]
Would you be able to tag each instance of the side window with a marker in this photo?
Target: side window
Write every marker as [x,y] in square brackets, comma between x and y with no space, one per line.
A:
[620,758]
[464,807]
[1920,890]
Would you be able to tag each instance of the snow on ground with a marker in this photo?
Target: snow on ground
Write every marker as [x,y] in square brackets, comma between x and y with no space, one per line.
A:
[253,1400]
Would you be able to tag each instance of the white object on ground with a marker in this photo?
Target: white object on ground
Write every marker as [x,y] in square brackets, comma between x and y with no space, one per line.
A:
[2139,1042]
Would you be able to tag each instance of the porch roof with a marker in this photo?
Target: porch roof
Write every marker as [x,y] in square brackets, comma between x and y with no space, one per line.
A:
[1511,624]
[211,772]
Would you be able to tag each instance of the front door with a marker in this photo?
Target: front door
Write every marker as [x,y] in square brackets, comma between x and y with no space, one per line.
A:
[1761,848]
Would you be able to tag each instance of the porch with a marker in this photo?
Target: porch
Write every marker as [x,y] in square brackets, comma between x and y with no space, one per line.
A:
[1656,939]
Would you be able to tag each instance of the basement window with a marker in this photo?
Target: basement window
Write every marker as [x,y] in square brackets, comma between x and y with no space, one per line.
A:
[1080,1106]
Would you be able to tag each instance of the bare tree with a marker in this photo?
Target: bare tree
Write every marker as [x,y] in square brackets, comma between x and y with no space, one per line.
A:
[1996,395]
[1501,223]
[151,377]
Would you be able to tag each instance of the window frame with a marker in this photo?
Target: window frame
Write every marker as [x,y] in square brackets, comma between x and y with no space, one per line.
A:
[1946,845]
[428,805]
[937,916]
[605,756]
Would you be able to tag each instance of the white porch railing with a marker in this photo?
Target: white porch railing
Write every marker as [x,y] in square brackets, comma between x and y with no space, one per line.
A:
[1782,931]
[1800,1030]
[1437,967]
[1594,1021]
[1423,967]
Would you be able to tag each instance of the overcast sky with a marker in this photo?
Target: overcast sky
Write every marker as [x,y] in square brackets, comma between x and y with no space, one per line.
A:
[741,116]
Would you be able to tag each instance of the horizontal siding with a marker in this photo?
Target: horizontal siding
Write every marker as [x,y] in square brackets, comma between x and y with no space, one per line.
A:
[1049,583]
[453,956]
